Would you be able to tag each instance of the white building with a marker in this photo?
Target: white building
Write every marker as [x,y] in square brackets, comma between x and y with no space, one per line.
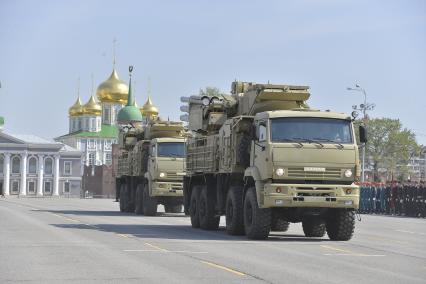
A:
[30,165]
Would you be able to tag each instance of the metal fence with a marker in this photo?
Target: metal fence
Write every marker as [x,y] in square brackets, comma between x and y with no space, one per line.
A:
[393,199]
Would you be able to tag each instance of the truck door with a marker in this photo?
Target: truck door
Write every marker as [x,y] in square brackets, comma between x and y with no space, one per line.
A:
[261,153]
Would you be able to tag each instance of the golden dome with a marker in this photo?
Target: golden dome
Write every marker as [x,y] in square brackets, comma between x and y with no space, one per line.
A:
[92,107]
[113,90]
[76,109]
[149,108]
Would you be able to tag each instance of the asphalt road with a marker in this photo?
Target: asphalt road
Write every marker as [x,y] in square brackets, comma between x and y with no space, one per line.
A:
[90,241]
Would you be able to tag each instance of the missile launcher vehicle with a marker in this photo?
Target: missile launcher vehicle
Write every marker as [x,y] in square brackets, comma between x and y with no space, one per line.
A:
[151,165]
[264,159]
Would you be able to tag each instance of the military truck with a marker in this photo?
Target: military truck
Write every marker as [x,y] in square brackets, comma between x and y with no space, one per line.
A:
[151,165]
[263,158]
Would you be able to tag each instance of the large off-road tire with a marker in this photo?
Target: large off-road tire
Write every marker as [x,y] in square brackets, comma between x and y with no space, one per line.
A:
[234,211]
[149,203]
[257,221]
[313,227]
[279,225]
[194,204]
[123,198]
[173,208]
[340,224]
[139,200]
[244,150]
[206,212]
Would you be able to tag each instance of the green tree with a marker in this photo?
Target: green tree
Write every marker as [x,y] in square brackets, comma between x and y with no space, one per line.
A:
[389,146]
[209,91]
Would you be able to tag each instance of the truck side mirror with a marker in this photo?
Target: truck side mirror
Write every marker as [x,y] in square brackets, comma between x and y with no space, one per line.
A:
[362,134]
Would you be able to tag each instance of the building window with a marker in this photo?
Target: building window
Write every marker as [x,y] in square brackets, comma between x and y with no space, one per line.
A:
[16,165]
[1,164]
[79,123]
[83,145]
[14,187]
[31,187]
[32,165]
[48,166]
[108,144]
[48,187]
[106,115]
[108,159]
[91,159]
[67,187]
[92,143]
[67,167]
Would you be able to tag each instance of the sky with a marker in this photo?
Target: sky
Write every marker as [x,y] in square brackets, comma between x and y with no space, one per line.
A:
[182,46]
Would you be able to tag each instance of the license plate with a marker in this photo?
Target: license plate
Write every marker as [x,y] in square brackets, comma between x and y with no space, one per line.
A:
[312,169]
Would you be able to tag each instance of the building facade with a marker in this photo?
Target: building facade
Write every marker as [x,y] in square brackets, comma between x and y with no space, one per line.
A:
[33,166]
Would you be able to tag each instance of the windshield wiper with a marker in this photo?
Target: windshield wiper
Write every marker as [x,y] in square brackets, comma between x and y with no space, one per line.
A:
[309,141]
[290,140]
[332,141]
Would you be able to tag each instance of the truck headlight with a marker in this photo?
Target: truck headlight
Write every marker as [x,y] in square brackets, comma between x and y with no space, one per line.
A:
[348,173]
[162,175]
[279,172]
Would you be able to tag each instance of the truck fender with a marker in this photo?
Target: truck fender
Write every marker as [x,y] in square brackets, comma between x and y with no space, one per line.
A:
[254,173]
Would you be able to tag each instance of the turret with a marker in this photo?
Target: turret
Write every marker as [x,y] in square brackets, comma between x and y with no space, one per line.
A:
[208,113]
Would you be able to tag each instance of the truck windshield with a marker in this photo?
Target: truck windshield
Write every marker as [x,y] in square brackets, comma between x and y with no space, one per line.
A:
[308,129]
[171,149]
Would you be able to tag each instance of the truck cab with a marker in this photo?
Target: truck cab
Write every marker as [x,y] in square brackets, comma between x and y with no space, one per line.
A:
[166,167]
[304,158]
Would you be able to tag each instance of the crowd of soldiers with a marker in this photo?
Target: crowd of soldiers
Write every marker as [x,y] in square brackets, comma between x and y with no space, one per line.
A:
[393,199]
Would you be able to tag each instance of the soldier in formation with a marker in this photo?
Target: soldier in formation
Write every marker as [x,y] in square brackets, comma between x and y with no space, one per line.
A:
[394,199]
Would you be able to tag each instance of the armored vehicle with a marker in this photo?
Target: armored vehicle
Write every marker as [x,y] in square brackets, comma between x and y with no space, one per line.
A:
[151,161]
[263,158]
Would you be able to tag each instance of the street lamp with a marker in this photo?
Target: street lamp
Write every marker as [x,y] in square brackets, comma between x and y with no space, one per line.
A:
[364,108]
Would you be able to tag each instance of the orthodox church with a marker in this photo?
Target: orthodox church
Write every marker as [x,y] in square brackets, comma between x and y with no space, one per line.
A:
[93,126]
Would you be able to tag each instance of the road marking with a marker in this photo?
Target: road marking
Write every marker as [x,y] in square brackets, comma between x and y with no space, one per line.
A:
[352,254]
[141,250]
[168,251]
[223,268]
[410,232]
[123,235]
[337,249]
[156,247]
[345,252]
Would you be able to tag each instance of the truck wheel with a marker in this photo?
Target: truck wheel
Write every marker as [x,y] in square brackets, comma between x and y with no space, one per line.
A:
[234,211]
[173,208]
[243,150]
[257,221]
[279,225]
[313,227]
[123,198]
[149,203]
[193,209]
[139,200]
[206,212]
[341,224]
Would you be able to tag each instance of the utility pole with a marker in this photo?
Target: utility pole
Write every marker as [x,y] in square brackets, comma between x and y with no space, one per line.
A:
[364,107]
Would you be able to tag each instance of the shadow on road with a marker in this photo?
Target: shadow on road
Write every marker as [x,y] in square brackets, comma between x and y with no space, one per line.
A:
[106,213]
[179,232]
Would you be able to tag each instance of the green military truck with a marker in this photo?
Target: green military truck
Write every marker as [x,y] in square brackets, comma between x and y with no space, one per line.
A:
[263,158]
[151,165]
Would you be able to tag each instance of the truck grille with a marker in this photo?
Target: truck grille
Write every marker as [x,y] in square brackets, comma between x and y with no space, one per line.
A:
[301,173]
[173,176]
